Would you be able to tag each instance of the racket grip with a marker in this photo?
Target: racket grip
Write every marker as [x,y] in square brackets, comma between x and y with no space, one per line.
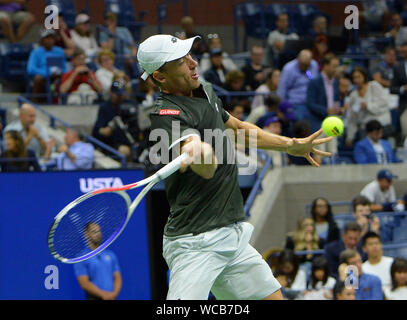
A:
[170,168]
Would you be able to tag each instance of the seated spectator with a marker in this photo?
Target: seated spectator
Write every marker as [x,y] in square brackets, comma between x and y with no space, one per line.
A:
[292,279]
[349,240]
[376,262]
[255,71]
[320,48]
[120,41]
[83,38]
[374,15]
[217,72]
[74,154]
[235,83]
[374,149]
[277,38]
[270,86]
[369,101]
[34,134]
[381,193]
[368,221]
[80,83]
[343,292]
[305,238]
[383,72]
[294,81]
[215,42]
[235,109]
[367,286]
[325,225]
[319,27]
[109,126]
[344,86]
[398,272]
[273,124]
[321,284]
[261,113]
[200,46]
[63,37]
[106,70]
[16,156]
[15,13]
[37,64]
[397,31]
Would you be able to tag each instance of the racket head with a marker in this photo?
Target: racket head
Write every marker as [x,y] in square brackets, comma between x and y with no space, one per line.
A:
[68,237]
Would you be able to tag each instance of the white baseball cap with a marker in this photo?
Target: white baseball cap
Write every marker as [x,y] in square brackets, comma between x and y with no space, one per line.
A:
[159,49]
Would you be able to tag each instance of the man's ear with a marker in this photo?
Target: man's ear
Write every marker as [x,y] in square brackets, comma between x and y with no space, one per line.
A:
[158,76]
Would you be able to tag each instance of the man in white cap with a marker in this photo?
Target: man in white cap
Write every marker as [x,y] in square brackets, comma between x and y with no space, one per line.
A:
[206,241]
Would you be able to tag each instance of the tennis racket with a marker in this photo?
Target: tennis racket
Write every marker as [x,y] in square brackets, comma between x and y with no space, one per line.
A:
[108,208]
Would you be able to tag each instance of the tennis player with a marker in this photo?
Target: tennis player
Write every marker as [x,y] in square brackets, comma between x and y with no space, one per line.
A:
[206,239]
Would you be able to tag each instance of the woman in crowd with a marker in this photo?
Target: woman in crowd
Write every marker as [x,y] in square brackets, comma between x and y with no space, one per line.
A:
[325,225]
[106,70]
[343,292]
[17,157]
[83,38]
[399,280]
[321,284]
[270,86]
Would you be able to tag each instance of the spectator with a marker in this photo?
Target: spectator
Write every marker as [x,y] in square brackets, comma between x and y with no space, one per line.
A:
[399,87]
[398,272]
[215,42]
[270,86]
[369,101]
[325,225]
[273,124]
[383,72]
[37,68]
[320,48]
[292,279]
[63,37]
[80,83]
[349,240]
[295,77]
[343,292]
[83,38]
[120,41]
[344,86]
[35,135]
[106,71]
[200,46]
[261,113]
[235,109]
[374,15]
[381,193]
[376,263]
[99,277]
[109,126]
[235,80]
[321,284]
[15,13]
[74,154]
[374,149]
[305,238]
[217,72]
[277,38]
[319,27]
[397,31]
[255,71]
[16,156]
[367,286]
[323,96]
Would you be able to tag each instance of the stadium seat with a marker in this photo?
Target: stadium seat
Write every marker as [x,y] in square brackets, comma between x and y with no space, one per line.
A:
[14,60]
[400,234]
[67,7]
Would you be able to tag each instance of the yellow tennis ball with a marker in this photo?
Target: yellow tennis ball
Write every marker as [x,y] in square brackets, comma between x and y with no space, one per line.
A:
[332,126]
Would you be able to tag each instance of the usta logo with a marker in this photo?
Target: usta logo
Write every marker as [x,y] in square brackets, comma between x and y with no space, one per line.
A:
[91,184]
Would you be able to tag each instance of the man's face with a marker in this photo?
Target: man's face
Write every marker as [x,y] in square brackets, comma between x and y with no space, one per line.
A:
[361,210]
[70,137]
[373,247]
[180,76]
[217,60]
[390,57]
[376,135]
[347,294]
[27,117]
[48,42]
[384,184]
[396,21]
[93,234]
[357,262]
[331,68]
[79,60]
[282,22]
[257,55]
[274,127]
[350,239]
[344,86]
[238,112]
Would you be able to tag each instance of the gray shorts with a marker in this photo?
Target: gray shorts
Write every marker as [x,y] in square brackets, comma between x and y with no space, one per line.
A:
[221,261]
[15,17]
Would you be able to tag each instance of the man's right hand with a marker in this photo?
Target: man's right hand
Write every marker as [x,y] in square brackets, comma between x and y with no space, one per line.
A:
[107,295]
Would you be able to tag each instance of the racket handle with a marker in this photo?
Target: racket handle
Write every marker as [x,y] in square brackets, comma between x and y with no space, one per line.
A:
[170,168]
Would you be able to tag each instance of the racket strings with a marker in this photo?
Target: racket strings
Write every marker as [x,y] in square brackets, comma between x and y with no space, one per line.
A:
[107,210]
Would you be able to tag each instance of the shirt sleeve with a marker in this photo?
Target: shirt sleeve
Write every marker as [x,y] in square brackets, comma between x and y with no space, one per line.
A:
[116,266]
[80,269]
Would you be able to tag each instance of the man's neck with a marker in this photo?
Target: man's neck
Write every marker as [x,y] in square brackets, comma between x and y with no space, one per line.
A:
[374,260]
[326,75]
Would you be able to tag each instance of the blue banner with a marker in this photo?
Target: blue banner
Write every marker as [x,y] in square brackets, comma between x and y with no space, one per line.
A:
[30,201]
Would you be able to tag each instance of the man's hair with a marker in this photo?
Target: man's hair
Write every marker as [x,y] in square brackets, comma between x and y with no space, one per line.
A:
[338,288]
[373,125]
[105,52]
[328,58]
[352,226]
[272,100]
[301,129]
[346,255]
[233,104]
[389,48]
[234,75]
[77,52]
[360,200]
[370,235]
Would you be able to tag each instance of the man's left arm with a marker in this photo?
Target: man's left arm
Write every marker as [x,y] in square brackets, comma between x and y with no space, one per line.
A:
[117,283]
[300,147]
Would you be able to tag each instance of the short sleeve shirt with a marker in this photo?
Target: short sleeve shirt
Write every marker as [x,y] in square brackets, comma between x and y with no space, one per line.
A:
[197,204]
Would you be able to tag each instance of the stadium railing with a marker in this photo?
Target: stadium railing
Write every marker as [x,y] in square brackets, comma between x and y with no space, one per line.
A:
[54,120]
